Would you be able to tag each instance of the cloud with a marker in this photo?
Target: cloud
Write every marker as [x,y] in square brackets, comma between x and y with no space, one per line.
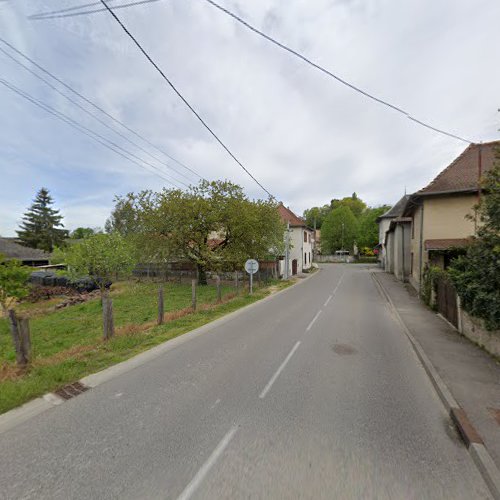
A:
[307,138]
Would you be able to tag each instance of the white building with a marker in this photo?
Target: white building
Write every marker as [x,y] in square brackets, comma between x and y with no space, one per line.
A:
[301,243]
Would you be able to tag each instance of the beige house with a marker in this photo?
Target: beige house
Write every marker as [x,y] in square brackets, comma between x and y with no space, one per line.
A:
[301,239]
[442,213]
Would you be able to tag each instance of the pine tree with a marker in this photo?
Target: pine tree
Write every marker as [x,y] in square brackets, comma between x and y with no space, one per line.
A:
[41,224]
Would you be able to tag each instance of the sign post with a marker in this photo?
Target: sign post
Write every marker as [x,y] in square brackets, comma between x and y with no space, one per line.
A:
[251,267]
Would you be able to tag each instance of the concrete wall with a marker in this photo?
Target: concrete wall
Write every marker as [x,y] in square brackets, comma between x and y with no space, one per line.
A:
[402,254]
[383,226]
[415,247]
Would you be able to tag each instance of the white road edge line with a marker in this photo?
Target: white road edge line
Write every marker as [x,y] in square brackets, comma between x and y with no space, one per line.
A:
[205,468]
[278,371]
[313,321]
[328,300]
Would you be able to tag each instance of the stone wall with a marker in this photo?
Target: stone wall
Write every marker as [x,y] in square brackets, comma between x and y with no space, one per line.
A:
[473,329]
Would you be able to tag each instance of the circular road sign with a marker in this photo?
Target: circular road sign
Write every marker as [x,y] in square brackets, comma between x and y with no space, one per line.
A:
[251,266]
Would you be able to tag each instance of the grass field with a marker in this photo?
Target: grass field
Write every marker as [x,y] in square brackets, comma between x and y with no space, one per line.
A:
[67,343]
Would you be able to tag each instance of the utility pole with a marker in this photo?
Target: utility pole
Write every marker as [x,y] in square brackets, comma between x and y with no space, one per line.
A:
[343,241]
[287,249]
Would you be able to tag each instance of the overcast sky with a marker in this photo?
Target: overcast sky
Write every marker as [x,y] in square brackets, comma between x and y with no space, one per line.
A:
[306,137]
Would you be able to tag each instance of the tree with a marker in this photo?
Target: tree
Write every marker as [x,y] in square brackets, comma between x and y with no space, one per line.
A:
[368,226]
[213,225]
[13,286]
[476,275]
[102,257]
[315,216]
[41,224]
[82,232]
[357,205]
[124,217]
[339,230]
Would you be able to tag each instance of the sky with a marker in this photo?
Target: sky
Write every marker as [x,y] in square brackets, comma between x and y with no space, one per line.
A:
[304,136]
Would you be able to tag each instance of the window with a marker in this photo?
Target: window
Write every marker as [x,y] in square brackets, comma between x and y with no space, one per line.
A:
[305,236]
[309,239]
[309,257]
[305,257]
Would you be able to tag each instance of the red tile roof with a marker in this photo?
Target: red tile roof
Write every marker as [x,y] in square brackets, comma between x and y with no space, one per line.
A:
[445,244]
[463,173]
[288,216]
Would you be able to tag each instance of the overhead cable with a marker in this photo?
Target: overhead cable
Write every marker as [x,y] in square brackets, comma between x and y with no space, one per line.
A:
[88,132]
[97,107]
[184,100]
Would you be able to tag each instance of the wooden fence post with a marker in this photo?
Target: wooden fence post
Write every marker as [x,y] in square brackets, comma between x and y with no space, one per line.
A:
[160,305]
[16,338]
[193,294]
[219,293]
[25,337]
[236,282]
[107,317]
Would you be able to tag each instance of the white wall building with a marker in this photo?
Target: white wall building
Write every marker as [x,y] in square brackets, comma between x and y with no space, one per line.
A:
[301,243]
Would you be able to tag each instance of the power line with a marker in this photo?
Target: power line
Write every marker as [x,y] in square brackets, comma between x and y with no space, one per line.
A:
[68,11]
[281,45]
[86,131]
[95,106]
[327,72]
[90,113]
[148,57]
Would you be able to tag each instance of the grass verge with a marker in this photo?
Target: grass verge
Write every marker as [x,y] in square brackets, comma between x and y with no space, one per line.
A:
[67,343]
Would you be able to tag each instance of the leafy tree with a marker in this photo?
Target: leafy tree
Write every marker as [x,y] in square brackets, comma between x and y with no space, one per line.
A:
[41,226]
[124,217]
[13,286]
[82,232]
[213,225]
[339,230]
[315,216]
[101,257]
[476,275]
[368,227]
[357,205]
[13,282]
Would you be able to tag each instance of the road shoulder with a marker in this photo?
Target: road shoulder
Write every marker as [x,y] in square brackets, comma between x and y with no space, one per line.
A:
[466,378]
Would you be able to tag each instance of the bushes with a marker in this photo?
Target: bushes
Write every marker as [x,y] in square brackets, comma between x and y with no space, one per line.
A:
[429,284]
[476,275]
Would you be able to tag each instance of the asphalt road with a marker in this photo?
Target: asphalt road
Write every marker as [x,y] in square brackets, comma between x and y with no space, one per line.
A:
[283,401]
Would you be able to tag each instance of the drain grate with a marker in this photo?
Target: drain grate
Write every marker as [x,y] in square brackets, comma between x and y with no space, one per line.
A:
[71,390]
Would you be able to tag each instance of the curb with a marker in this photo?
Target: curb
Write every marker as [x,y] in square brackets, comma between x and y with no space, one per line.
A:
[467,431]
[21,414]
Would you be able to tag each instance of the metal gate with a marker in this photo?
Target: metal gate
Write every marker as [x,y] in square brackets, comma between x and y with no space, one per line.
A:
[447,300]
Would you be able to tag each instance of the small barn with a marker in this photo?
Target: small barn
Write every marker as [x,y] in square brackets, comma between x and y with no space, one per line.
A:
[28,256]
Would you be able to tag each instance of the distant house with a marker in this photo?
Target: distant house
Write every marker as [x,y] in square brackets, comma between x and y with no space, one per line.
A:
[28,256]
[384,223]
[301,242]
[442,213]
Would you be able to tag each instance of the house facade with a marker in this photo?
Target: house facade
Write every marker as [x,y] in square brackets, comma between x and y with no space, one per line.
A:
[384,224]
[301,239]
[442,213]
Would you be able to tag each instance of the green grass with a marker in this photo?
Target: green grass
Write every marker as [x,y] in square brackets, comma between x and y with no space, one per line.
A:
[67,343]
